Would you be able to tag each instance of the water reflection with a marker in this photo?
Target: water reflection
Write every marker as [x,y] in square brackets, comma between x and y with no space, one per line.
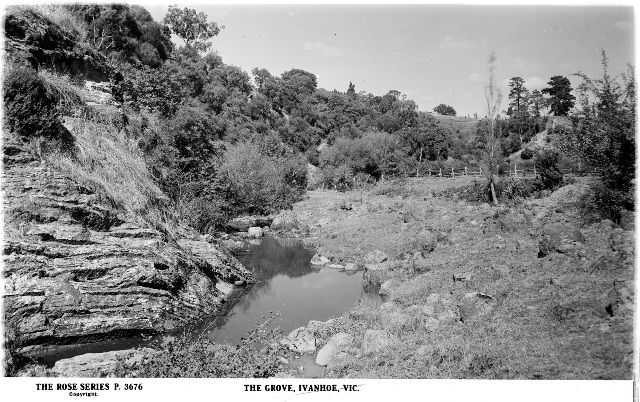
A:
[286,283]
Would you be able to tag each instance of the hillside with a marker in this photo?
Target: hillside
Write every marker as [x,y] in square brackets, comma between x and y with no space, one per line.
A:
[91,250]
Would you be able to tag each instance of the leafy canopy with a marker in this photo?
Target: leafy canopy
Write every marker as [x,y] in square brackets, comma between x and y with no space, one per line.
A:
[192,27]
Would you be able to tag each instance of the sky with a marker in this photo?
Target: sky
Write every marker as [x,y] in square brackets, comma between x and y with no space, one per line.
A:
[432,53]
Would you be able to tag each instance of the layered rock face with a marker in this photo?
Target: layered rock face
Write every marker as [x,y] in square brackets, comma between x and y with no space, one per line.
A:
[33,39]
[76,270]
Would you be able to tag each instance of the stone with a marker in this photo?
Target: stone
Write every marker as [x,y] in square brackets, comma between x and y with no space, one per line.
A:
[376,340]
[336,344]
[318,259]
[387,287]
[242,223]
[419,263]
[286,220]
[88,271]
[561,238]
[255,232]
[428,240]
[627,220]
[375,274]
[300,340]
[396,321]
[339,267]
[475,305]
[98,364]
[351,267]
[375,257]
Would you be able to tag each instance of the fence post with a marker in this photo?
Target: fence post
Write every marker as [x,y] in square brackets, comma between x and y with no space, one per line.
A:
[466,172]
[480,174]
[535,173]
[453,174]
[440,173]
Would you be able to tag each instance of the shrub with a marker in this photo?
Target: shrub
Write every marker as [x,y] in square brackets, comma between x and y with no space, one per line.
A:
[527,154]
[257,356]
[29,104]
[261,183]
[546,162]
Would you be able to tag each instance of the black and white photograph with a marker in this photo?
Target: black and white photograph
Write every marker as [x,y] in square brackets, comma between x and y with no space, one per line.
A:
[294,192]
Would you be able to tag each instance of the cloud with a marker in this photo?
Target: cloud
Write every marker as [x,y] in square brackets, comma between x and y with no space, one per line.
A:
[535,83]
[624,25]
[451,43]
[474,77]
[326,50]
[408,56]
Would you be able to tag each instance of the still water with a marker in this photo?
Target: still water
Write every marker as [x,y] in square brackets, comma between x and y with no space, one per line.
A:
[286,283]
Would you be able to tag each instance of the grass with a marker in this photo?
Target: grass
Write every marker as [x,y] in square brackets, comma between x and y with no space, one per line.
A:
[60,16]
[110,164]
[549,318]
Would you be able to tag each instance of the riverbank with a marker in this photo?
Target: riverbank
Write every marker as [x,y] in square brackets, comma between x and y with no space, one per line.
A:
[471,290]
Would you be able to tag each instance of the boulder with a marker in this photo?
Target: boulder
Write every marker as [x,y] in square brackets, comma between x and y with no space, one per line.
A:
[475,305]
[98,364]
[388,286]
[255,232]
[376,274]
[419,263]
[300,340]
[376,340]
[242,223]
[375,257]
[395,321]
[561,238]
[336,344]
[428,240]
[318,259]
[339,267]
[286,220]
[351,267]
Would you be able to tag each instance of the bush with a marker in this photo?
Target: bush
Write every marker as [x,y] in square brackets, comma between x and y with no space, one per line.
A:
[257,356]
[260,183]
[546,162]
[30,106]
[527,154]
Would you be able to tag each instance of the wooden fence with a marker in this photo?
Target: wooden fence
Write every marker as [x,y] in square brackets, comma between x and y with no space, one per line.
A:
[476,171]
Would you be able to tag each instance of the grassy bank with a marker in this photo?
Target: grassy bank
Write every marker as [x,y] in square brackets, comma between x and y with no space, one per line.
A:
[482,303]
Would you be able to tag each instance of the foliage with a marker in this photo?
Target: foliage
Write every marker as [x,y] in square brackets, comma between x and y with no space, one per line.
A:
[560,98]
[546,162]
[527,154]
[192,27]
[445,110]
[604,136]
[261,183]
[256,356]
[30,105]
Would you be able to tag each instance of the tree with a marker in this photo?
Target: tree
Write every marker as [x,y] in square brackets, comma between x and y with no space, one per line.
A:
[536,102]
[493,97]
[560,98]
[192,27]
[518,95]
[604,136]
[445,110]
[352,89]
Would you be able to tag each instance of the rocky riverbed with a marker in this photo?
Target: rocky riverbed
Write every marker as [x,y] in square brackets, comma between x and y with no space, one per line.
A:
[470,290]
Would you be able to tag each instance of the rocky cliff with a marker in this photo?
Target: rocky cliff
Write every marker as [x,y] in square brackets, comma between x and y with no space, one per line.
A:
[76,270]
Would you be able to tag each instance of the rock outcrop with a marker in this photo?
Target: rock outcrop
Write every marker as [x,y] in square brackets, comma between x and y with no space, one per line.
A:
[35,40]
[78,270]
